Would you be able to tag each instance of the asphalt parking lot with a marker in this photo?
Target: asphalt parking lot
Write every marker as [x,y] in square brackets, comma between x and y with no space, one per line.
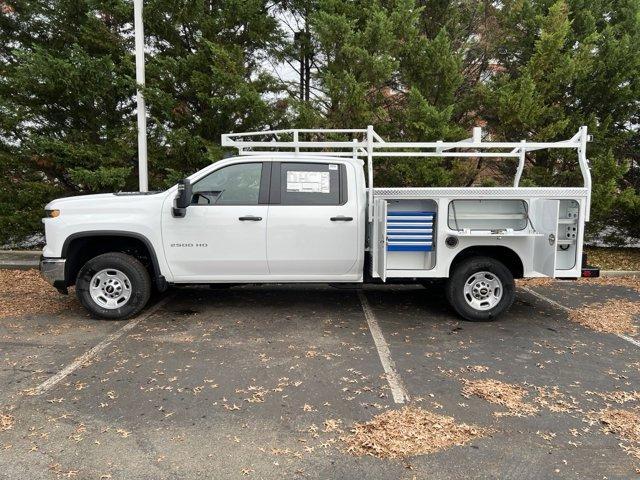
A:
[265,382]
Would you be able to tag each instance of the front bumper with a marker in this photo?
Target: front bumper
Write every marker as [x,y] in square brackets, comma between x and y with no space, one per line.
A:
[52,270]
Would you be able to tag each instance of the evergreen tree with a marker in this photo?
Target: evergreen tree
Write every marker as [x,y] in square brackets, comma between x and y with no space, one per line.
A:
[568,63]
[386,64]
[65,97]
[205,77]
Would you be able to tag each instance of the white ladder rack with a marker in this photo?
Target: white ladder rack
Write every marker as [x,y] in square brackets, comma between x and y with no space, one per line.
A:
[366,143]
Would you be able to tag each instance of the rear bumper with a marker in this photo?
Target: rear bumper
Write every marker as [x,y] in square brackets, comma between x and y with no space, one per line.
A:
[587,270]
[52,270]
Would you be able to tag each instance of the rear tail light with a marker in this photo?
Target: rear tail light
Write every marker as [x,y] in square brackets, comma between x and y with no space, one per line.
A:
[590,272]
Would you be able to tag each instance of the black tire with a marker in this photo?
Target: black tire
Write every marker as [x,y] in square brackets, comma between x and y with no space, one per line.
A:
[135,272]
[464,271]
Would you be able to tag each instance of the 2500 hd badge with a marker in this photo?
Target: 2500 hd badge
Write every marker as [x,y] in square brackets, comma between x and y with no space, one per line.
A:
[188,245]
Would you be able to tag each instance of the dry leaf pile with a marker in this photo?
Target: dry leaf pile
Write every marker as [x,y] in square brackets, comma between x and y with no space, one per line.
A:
[475,368]
[535,282]
[623,423]
[25,292]
[632,283]
[554,400]
[619,396]
[6,421]
[614,258]
[500,393]
[407,432]
[614,316]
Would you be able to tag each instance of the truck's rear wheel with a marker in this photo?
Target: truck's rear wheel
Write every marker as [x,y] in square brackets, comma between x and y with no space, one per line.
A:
[480,289]
[113,286]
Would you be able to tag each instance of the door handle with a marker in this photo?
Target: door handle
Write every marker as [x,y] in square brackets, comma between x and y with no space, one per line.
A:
[250,218]
[341,218]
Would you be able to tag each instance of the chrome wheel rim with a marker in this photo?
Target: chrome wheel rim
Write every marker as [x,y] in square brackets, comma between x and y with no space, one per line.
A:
[483,291]
[110,288]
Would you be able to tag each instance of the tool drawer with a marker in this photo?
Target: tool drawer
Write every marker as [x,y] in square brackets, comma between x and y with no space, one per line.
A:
[410,231]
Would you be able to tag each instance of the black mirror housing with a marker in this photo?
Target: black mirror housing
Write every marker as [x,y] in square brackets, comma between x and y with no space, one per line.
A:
[183,198]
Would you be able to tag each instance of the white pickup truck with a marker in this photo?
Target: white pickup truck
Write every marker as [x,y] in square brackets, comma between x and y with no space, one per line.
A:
[294,207]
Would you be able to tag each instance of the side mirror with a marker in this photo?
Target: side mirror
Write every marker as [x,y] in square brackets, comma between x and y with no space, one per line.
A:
[183,199]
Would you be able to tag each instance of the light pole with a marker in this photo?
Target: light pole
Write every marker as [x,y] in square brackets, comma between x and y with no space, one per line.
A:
[142,111]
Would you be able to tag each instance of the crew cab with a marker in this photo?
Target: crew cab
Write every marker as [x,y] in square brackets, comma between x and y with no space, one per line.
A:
[296,210]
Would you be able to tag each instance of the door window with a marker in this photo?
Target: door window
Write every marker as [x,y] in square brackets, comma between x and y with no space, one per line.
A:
[237,184]
[311,184]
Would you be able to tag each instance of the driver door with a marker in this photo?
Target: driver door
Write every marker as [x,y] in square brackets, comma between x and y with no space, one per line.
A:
[223,234]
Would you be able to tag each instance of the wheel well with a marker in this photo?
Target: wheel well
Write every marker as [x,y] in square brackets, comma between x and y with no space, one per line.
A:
[81,249]
[503,254]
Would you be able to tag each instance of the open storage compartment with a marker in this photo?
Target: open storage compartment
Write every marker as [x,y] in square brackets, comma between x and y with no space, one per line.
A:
[405,233]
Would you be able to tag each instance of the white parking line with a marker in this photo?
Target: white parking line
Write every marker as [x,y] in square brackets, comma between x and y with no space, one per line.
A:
[398,390]
[546,299]
[624,337]
[89,354]
[629,339]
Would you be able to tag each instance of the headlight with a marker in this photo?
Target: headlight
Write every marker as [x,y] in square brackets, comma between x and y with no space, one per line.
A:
[52,213]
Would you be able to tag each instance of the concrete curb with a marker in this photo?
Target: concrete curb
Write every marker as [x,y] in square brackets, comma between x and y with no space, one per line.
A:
[19,259]
[19,265]
[20,254]
[620,273]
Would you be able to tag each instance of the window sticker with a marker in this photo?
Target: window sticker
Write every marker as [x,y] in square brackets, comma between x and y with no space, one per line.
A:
[308,182]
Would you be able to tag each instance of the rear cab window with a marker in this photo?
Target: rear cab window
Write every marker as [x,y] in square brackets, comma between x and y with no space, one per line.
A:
[309,183]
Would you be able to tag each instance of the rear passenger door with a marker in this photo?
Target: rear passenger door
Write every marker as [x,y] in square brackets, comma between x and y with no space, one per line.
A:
[313,220]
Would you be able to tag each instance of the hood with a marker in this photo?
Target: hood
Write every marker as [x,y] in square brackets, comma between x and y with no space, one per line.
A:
[102,200]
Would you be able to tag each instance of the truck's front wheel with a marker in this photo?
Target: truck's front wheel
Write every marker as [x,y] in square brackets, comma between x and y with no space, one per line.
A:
[480,289]
[113,286]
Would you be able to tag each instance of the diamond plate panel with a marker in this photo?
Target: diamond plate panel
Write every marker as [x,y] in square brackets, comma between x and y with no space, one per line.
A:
[481,192]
